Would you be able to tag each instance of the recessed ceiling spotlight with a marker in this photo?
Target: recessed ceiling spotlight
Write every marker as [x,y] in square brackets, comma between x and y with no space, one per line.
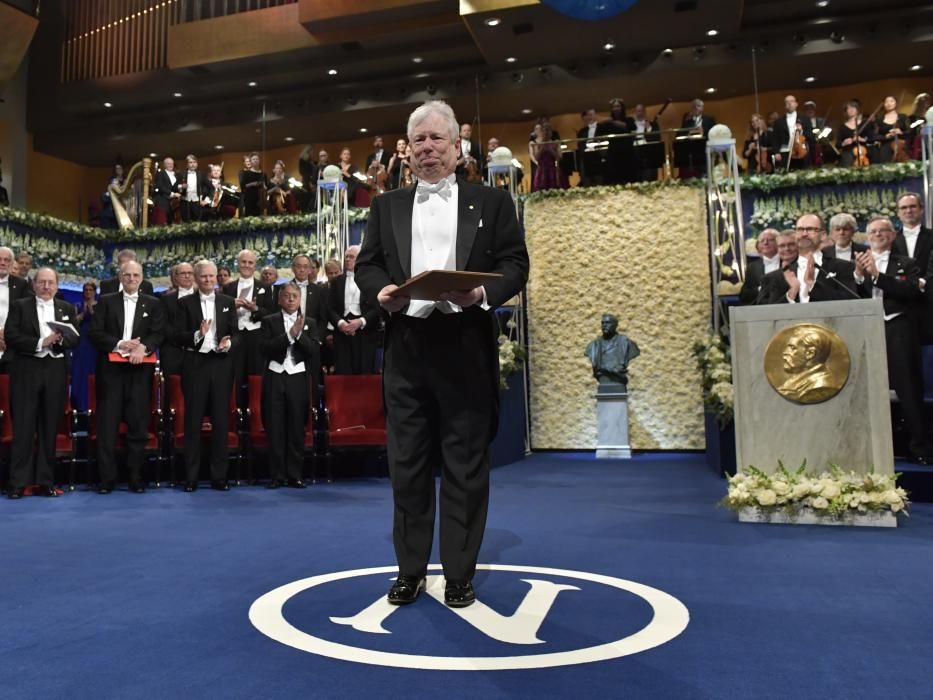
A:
[810,79]
[526,111]
[153,155]
[252,83]
[416,59]
[916,66]
[822,3]
[710,91]
[289,139]
[218,147]
[176,94]
[363,130]
[422,75]
[332,71]
[712,32]
[511,59]
[492,22]
[608,46]
[108,105]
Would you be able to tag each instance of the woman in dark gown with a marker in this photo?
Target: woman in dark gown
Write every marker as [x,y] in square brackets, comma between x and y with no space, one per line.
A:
[846,138]
[83,357]
[251,180]
[890,125]
[548,176]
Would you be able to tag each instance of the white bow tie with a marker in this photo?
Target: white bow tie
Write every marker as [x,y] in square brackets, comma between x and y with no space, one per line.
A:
[131,297]
[182,292]
[206,298]
[5,282]
[302,284]
[883,257]
[50,304]
[425,190]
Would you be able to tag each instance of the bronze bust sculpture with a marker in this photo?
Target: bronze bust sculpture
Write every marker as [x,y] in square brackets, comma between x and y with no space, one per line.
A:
[611,353]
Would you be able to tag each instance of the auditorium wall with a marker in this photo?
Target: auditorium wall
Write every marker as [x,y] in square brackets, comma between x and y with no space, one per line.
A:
[643,257]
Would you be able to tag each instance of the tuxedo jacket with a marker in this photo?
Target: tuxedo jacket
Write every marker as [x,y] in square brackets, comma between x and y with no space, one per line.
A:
[708,123]
[22,326]
[840,286]
[112,285]
[754,272]
[336,308]
[780,136]
[205,189]
[189,317]
[476,152]
[488,240]
[386,157]
[830,251]
[900,283]
[261,294]
[107,323]
[274,342]
[315,303]
[162,188]
[922,250]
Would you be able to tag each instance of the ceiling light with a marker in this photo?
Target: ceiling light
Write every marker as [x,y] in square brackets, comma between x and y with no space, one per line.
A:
[710,91]
[416,59]
[526,111]
[108,105]
[822,3]
[511,59]
[218,147]
[712,32]
[153,155]
[363,130]
[176,94]
[809,79]
[289,139]
[916,66]
[422,75]
[492,22]
[252,83]
[608,46]
[332,71]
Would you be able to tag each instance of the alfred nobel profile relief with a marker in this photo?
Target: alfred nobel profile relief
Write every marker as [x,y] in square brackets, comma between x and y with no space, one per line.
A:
[807,363]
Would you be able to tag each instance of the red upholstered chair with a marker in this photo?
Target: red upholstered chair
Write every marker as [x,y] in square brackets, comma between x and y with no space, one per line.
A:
[155,445]
[176,425]
[355,412]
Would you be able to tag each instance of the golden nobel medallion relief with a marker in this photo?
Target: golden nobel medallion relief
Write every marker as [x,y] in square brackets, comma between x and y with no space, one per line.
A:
[807,363]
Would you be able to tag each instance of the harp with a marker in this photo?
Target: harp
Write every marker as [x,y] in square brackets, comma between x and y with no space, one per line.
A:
[131,199]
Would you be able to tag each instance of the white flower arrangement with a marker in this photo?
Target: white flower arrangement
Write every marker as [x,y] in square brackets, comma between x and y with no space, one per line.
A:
[511,358]
[835,493]
[714,363]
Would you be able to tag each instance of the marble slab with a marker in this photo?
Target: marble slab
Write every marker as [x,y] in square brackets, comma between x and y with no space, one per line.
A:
[851,430]
[612,440]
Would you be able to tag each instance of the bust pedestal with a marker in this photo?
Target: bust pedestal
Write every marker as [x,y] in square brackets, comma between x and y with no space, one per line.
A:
[612,422]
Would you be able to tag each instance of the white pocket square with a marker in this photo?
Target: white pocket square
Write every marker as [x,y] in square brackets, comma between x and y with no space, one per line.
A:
[226,309]
[480,224]
[64,318]
[261,291]
[145,315]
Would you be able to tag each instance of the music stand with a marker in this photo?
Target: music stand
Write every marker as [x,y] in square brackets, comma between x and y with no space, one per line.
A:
[690,154]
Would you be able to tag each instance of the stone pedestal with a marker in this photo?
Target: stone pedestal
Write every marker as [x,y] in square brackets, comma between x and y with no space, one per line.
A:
[612,422]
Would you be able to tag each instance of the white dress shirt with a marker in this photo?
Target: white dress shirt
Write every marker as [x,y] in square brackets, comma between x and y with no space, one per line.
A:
[289,366]
[129,315]
[434,238]
[210,338]
[465,147]
[844,253]
[244,290]
[802,271]
[642,127]
[791,120]
[351,300]
[910,238]
[771,264]
[183,292]
[171,176]
[46,312]
[881,262]
[191,194]
[591,130]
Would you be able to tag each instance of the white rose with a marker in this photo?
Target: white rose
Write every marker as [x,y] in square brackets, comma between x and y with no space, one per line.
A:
[890,497]
[780,487]
[766,497]
[819,503]
[800,490]
[830,490]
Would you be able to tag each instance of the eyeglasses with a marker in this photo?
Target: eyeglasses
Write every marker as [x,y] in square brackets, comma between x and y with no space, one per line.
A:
[908,206]
[808,229]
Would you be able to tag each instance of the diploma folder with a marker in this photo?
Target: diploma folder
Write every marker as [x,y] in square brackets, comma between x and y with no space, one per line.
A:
[117,357]
[429,285]
[68,331]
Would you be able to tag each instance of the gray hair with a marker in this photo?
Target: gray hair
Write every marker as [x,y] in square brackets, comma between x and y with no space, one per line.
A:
[124,255]
[8,250]
[440,108]
[843,221]
[202,264]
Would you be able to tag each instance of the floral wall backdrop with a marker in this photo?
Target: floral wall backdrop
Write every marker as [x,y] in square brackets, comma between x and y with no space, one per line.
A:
[642,255]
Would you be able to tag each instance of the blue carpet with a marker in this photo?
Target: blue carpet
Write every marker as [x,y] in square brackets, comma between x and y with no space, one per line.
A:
[149,596]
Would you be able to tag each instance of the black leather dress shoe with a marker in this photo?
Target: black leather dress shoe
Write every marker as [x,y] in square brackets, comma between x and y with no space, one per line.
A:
[459,595]
[48,491]
[296,484]
[105,489]
[136,487]
[191,486]
[220,486]
[405,590]
[274,484]
[16,493]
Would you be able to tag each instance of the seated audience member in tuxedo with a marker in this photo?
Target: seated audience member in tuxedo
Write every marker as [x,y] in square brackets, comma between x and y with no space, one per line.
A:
[253,300]
[355,321]
[812,277]
[786,244]
[115,284]
[12,288]
[206,327]
[129,325]
[841,229]
[895,279]
[767,261]
[290,347]
[170,353]
[38,382]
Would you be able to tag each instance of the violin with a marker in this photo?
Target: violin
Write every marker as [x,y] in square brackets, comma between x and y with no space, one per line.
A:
[376,177]
[899,150]
[860,157]
[800,147]
[473,172]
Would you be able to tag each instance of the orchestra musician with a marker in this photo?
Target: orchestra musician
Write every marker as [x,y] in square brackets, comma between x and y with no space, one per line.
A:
[696,123]
[165,194]
[620,158]
[790,140]
[756,149]
[251,180]
[349,171]
[216,209]
[469,151]
[398,164]
[589,160]
[916,120]
[853,136]
[379,154]
[648,132]
[279,199]
[891,131]
[194,189]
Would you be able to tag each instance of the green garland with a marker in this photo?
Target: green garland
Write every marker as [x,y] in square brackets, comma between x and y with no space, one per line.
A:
[246,225]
